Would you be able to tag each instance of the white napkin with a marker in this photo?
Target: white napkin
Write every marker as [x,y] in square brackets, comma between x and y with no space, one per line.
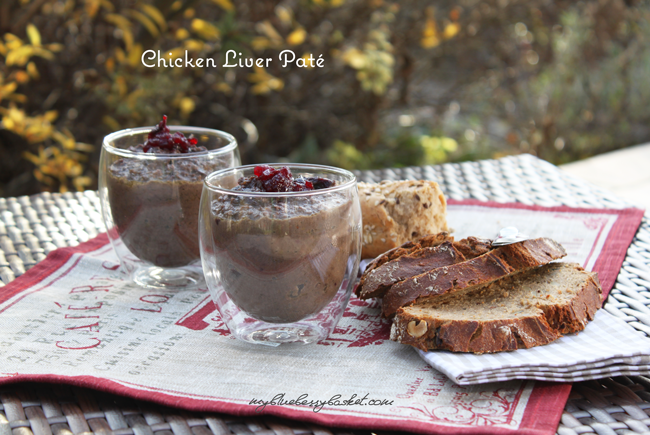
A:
[606,347]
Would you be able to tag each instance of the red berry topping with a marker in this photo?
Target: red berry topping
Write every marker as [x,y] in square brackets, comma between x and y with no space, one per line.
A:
[268,179]
[160,137]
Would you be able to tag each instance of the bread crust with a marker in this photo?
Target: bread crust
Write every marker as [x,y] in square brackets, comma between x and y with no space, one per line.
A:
[376,282]
[495,264]
[428,241]
[475,336]
[465,249]
[498,335]
[582,309]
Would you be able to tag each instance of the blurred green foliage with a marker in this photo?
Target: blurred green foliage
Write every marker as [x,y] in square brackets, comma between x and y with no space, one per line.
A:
[403,83]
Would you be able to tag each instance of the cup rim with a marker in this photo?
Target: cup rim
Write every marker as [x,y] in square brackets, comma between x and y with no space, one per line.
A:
[339,171]
[228,147]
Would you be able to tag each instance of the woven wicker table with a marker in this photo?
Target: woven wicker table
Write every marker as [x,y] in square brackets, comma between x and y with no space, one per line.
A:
[30,227]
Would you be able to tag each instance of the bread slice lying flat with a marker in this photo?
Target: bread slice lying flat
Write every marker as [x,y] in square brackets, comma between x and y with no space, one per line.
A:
[484,269]
[529,309]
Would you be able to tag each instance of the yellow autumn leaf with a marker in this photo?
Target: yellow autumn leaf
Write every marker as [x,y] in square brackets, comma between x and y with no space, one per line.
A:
[451,30]
[355,58]
[175,53]
[264,82]
[118,20]
[55,47]
[18,98]
[124,25]
[224,4]
[134,56]
[50,115]
[155,15]
[12,41]
[120,56]
[204,29]
[32,158]
[80,183]
[32,70]
[186,106]
[66,140]
[110,65]
[92,7]
[21,55]
[260,88]
[265,27]
[430,38]
[285,14]
[223,87]
[182,34]
[260,43]
[33,35]
[21,77]
[8,88]
[297,37]
[146,22]
[194,45]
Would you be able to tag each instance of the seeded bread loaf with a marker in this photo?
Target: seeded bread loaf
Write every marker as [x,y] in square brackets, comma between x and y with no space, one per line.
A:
[495,264]
[395,212]
[520,311]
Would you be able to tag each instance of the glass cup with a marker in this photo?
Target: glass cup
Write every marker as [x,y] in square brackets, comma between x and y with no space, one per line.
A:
[150,203]
[280,266]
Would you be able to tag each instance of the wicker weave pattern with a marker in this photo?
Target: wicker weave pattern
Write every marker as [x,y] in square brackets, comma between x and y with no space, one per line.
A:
[31,227]
[61,410]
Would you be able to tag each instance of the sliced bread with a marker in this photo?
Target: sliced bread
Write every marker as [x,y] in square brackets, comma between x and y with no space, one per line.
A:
[415,258]
[376,282]
[520,311]
[484,269]
[428,241]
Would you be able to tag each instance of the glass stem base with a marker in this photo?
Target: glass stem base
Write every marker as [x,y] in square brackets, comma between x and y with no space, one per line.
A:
[158,277]
[274,335]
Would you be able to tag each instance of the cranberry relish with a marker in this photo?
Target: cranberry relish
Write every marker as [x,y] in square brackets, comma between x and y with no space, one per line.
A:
[268,179]
[161,141]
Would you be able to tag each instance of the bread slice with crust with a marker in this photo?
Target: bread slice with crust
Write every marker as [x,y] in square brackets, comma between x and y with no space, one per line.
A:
[520,311]
[415,258]
[377,281]
[484,269]
[428,241]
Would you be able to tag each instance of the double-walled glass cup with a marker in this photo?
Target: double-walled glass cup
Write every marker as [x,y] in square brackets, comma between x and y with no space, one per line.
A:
[150,203]
[280,266]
